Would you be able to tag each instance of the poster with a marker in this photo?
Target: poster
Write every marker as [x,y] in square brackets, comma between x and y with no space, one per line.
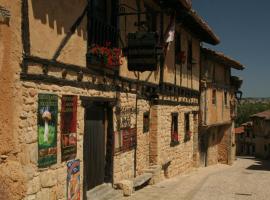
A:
[47,129]
[68,127]
[73,180]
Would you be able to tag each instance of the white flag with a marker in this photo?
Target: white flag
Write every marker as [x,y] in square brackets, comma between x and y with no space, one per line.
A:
[170,32]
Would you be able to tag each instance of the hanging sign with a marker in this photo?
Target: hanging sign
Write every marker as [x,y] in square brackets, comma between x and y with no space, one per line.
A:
[69,127]
[73,180]
[142,51]
[47,129]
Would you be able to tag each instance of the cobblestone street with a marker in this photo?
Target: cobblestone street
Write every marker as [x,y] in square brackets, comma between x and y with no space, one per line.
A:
[247,179]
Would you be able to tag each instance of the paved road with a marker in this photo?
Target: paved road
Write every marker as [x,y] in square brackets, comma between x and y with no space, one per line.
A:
[247,179]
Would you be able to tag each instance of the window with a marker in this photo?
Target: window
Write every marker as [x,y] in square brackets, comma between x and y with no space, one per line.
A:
[187,127]
[102,23]
[151,19]
[146,122]
[178,56]
[214,97]
[248,133]
[190,59]
[226,98]
[174,129]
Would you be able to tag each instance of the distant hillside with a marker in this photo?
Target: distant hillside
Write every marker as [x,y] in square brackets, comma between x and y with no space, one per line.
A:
[255,100]
[250,106]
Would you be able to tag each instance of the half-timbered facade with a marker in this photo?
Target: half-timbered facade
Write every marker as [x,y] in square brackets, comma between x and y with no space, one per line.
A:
[98,92]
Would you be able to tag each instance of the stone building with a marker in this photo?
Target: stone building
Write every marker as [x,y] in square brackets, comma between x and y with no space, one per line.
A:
[261,134]
[218,108]
[75,113]
[245,140]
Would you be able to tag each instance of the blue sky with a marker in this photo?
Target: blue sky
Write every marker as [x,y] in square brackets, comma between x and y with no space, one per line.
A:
[244,29]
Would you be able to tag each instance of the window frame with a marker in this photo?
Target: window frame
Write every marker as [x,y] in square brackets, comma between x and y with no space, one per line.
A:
[174,125]
[214,97]
[190,55]
[146,127]
[178,48]
[187,127]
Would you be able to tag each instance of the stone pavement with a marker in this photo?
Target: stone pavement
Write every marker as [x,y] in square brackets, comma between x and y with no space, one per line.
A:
[247,179]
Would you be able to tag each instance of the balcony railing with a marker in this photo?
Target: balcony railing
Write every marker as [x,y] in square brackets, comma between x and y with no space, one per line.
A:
[101,33]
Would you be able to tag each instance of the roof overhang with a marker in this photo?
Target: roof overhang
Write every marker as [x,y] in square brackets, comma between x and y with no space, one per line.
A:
[191,20]
[223,59]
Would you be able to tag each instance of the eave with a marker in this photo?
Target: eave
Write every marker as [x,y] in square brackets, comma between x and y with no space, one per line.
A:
[221,58]
[191,20]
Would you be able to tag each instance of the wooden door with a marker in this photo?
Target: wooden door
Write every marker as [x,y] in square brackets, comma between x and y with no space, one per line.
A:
[94,146]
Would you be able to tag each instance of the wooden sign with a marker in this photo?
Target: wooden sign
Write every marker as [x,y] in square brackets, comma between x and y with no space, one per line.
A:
[69,127]
[47,129]
[142,51]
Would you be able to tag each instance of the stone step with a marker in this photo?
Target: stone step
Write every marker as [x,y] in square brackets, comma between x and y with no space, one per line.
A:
[142,179]
[102,192]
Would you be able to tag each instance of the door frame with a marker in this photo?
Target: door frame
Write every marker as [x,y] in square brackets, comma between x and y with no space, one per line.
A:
[87,102]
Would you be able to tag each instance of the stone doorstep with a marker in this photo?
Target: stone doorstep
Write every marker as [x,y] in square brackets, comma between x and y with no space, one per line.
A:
[128,186]
[100,191]
[140,180]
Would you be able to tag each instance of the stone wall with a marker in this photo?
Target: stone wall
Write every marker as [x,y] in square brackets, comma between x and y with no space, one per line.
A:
[219,145]
[180,156]
[12,176]
[48,183]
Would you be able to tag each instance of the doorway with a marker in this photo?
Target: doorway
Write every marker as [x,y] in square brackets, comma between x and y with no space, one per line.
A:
[98,145]
[203,145]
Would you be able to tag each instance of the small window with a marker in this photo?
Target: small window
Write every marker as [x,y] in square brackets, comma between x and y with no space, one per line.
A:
[187,127]
[248,133]
[214,97]
[146,122]
[178,56]
[226,98]
[151,19]
[190,59]
[174,129]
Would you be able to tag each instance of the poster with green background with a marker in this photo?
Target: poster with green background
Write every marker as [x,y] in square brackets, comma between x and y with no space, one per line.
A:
[47,129]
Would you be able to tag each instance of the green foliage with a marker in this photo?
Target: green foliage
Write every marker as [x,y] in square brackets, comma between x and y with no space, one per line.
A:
[247,109]
[51,137]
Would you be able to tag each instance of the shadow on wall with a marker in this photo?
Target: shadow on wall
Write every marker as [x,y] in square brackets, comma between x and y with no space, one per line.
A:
[61,14]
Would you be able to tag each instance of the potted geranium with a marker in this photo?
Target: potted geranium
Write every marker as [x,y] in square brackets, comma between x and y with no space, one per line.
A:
[104,56]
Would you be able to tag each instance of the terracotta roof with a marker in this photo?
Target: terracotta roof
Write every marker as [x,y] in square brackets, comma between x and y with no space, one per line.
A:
[239,130]
[265,115]
[223,58]
[194,22]
[248,123]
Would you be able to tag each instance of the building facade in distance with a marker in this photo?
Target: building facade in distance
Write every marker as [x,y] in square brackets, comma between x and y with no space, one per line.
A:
[218,107]
[261,134]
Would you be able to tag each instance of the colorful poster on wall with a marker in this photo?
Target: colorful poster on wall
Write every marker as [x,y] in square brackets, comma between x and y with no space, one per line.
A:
[69,127]
[47,129]
[73,180]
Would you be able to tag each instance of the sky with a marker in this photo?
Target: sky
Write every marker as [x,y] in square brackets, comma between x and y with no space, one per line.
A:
[244,29]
